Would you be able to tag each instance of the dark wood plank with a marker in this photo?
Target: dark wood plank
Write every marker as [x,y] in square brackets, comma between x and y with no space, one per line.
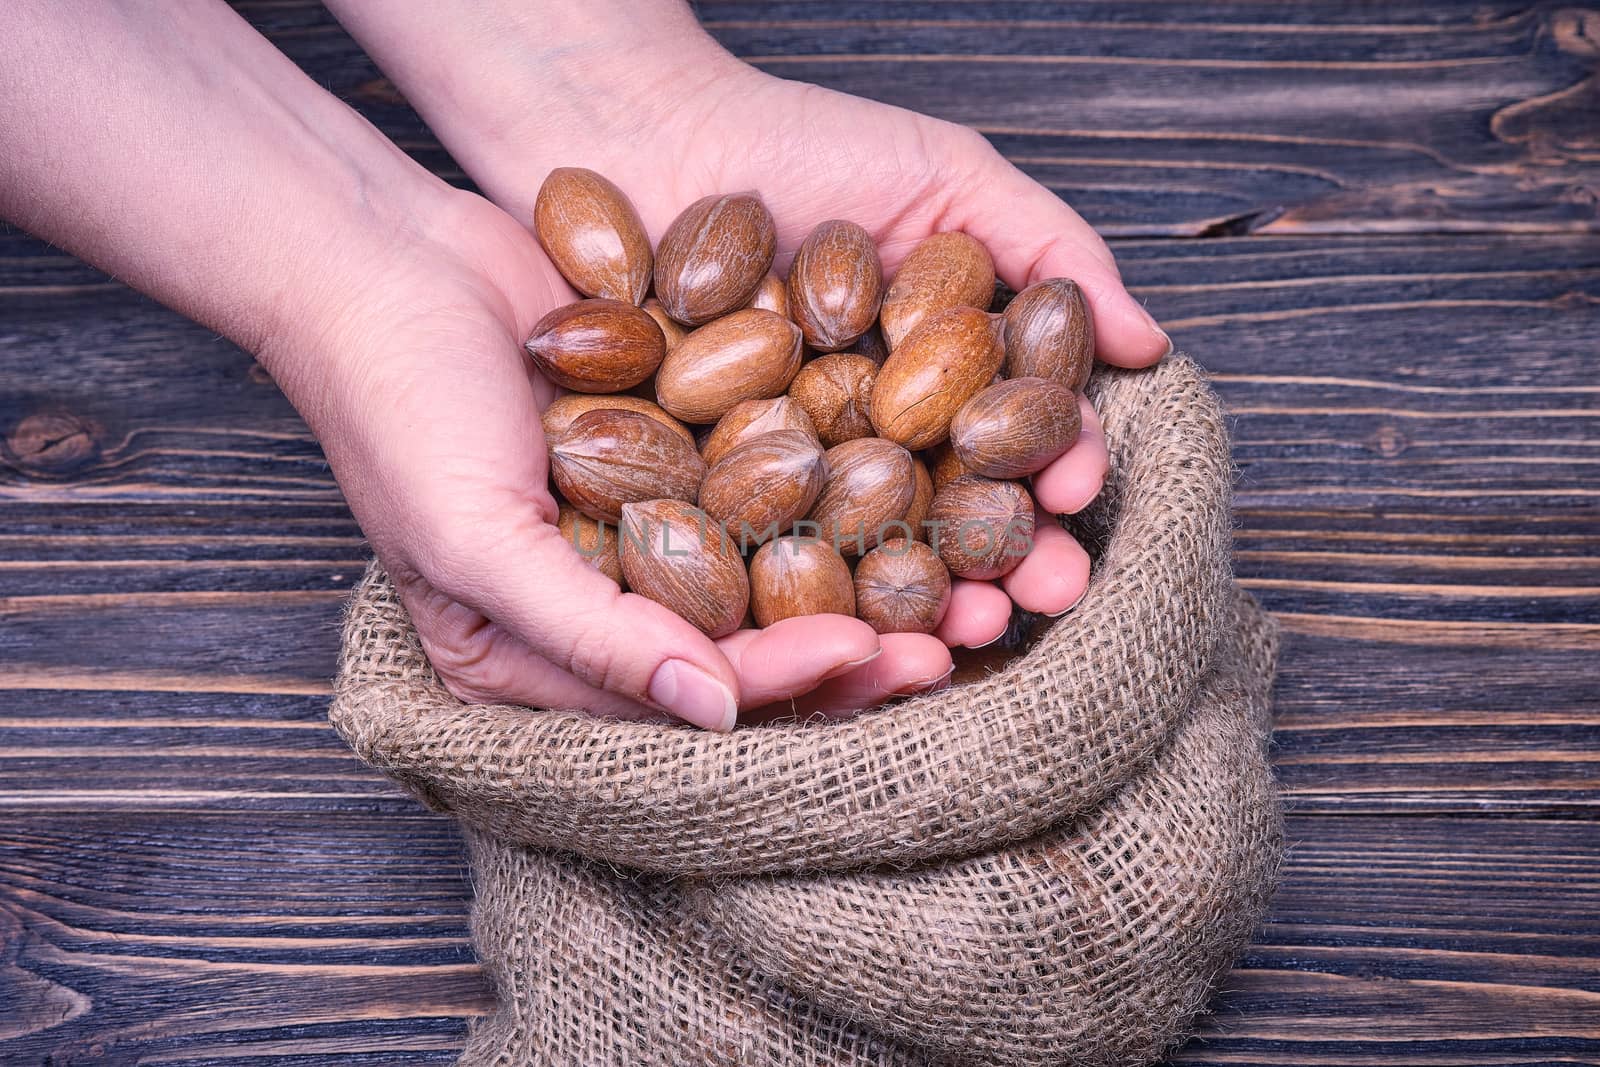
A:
[1376,940]
[1290,123]
[224,940]
[1417,450]
[177,701]
[194,870]
[1496,723]
[343,939]
[1367,381]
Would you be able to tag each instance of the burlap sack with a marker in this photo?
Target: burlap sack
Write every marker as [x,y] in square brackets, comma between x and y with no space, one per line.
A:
[1051,865]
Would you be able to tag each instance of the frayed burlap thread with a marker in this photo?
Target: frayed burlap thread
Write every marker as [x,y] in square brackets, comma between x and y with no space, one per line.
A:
[1050,865]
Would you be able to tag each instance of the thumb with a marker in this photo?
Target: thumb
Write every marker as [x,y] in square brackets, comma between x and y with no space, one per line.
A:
[524,576]
[445,468]
[1033,235]
[425,404]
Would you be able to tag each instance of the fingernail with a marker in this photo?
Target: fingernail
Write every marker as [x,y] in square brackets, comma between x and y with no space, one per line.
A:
[694,696]
[1090,499]
[991,640]
[846,668]
[928,684]
[1072,605]
[1166,340]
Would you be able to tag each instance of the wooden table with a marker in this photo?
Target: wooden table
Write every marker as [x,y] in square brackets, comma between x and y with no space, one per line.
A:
[1376,225]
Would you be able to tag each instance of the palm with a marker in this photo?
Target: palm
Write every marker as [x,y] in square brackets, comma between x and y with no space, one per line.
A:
[815,155]
[470,471]
[812,154]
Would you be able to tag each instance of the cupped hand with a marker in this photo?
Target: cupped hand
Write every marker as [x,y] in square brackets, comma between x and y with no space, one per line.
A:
[430,415]
[814,154]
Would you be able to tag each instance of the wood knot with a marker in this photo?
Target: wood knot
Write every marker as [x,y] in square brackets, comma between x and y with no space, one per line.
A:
[1388,441]
[1559,126]
[1575,30]
[1556,126]
[52,443]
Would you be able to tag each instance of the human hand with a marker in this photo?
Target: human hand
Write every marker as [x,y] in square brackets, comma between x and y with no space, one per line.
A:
[654,104]
[391,310]
[430,412]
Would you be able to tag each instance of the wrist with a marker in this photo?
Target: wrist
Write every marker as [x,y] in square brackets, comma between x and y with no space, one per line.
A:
[320,333]
[455,286]
[367,218]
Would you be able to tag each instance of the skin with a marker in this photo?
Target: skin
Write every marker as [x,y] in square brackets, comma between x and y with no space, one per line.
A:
[390,308]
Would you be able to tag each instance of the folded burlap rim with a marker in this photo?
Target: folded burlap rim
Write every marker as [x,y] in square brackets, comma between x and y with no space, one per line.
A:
[995,760]
[1094,943]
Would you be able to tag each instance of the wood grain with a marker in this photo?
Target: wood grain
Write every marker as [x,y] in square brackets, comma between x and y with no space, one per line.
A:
[217,939]
[1291,121]
[1364,379]
[342,937]
[1397,290]
[1158,118]
[1417,485]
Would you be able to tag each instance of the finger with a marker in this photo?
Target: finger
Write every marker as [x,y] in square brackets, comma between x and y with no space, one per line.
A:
[446,471]
[510,563]
[910,663]
[497,551]
[1072,481]
[481,663]
[793,656]
[1032,235]
[1054,574]
[978,615]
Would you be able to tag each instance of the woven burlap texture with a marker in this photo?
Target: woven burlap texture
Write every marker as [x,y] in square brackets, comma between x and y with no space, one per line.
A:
[1050,865]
